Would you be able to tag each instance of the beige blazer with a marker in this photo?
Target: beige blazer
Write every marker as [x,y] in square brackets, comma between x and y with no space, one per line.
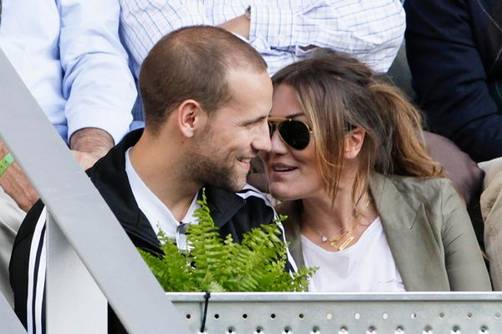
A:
[428,230]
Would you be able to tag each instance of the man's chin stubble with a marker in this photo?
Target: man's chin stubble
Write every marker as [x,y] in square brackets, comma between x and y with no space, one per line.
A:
[207,172]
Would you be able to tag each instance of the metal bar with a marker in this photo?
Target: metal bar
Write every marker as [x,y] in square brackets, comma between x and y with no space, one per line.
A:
[321,297]
[410,313]
[81,214]
[70,287]
[9,322]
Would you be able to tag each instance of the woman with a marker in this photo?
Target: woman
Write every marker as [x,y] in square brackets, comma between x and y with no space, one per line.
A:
[365,203]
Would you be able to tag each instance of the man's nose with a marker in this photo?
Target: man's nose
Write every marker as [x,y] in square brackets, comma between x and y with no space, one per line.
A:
[262,139]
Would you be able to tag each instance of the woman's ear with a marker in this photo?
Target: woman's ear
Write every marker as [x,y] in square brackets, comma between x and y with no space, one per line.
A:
[353,144]
[190,117]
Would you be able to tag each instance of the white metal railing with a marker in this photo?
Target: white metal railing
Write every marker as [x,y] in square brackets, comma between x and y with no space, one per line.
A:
[337,313]
[89,256]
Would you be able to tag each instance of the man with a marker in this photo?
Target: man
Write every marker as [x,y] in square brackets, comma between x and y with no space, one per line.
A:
[69,55]
[206,96]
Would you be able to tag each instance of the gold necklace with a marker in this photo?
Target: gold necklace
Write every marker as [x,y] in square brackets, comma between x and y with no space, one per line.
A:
[343,240]
[339,242]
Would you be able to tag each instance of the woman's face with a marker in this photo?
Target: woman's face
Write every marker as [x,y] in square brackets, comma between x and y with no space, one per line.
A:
[292,174]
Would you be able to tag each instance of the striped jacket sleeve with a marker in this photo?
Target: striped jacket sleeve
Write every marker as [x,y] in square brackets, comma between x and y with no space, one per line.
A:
[27,270]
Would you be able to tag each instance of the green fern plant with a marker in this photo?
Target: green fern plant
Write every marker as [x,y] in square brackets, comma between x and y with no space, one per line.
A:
[218,265]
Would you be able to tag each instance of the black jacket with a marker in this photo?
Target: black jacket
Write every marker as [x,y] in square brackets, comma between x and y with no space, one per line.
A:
[233,213]
[454,50]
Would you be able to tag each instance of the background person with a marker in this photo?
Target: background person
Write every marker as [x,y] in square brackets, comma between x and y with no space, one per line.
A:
[454,51]
[281,31]
[365,202]
[68,54]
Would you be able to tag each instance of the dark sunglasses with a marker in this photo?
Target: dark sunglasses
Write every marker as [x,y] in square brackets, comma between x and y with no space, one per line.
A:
[294,133]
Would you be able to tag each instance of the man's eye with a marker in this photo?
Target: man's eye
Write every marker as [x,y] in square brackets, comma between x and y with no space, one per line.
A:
[250,125]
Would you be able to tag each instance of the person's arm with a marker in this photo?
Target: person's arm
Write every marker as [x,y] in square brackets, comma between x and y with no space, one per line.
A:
[15,183]
[370,30]
[240,25]
[450,78]
[88,145]
[464,263]
[97,83]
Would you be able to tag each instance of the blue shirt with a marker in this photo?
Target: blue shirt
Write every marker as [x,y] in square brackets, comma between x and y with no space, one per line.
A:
[69,55]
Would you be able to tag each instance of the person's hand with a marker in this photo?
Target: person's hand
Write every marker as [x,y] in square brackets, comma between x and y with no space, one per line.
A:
[88,145]
[15,183]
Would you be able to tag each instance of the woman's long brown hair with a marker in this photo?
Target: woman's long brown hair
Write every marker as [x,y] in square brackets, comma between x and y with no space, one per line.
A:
[336,93]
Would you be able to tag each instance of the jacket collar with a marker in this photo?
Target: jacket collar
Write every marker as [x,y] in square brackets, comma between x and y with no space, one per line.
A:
[110,178]
[409,233]
[407,228]
[223,204]
[292,210]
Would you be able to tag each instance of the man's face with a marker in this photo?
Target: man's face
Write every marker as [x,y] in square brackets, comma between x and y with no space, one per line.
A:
[235,133]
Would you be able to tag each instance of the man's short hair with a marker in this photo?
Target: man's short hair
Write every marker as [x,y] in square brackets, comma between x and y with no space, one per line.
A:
[192,63]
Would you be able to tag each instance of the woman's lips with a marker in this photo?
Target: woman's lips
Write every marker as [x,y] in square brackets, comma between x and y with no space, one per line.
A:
[282,168]
[279,170]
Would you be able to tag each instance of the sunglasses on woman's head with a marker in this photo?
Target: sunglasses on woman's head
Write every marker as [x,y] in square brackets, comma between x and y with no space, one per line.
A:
[294,133]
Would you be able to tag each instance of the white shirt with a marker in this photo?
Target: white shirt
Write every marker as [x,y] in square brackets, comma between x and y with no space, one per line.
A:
[69,55]
[366,266]
[370,30]
[158,214]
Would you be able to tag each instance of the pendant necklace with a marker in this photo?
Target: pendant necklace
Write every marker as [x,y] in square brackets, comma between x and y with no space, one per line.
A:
[339,242]
[343,240]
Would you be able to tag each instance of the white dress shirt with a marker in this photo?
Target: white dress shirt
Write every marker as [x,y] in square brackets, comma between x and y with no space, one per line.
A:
[158,214]
[371,30]
[69,55]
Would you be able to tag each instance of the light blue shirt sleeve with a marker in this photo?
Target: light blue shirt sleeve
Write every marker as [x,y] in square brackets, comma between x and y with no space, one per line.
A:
[97,83]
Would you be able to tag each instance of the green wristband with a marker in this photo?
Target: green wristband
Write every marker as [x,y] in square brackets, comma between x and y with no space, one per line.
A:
[5,163]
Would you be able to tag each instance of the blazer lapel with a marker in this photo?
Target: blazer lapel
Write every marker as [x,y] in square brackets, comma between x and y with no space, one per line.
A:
[292,230]
[413,244]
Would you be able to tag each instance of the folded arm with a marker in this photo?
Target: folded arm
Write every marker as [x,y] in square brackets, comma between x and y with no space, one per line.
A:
[97,84]
[450,78]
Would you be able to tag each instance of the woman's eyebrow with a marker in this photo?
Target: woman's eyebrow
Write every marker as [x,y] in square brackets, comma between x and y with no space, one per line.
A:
[296,115]
[293,115]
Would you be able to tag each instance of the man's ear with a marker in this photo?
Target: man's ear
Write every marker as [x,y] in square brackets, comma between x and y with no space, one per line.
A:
[353,143]
[190,117]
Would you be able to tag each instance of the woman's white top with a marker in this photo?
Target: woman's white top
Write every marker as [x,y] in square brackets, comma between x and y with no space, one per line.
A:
[366,266]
